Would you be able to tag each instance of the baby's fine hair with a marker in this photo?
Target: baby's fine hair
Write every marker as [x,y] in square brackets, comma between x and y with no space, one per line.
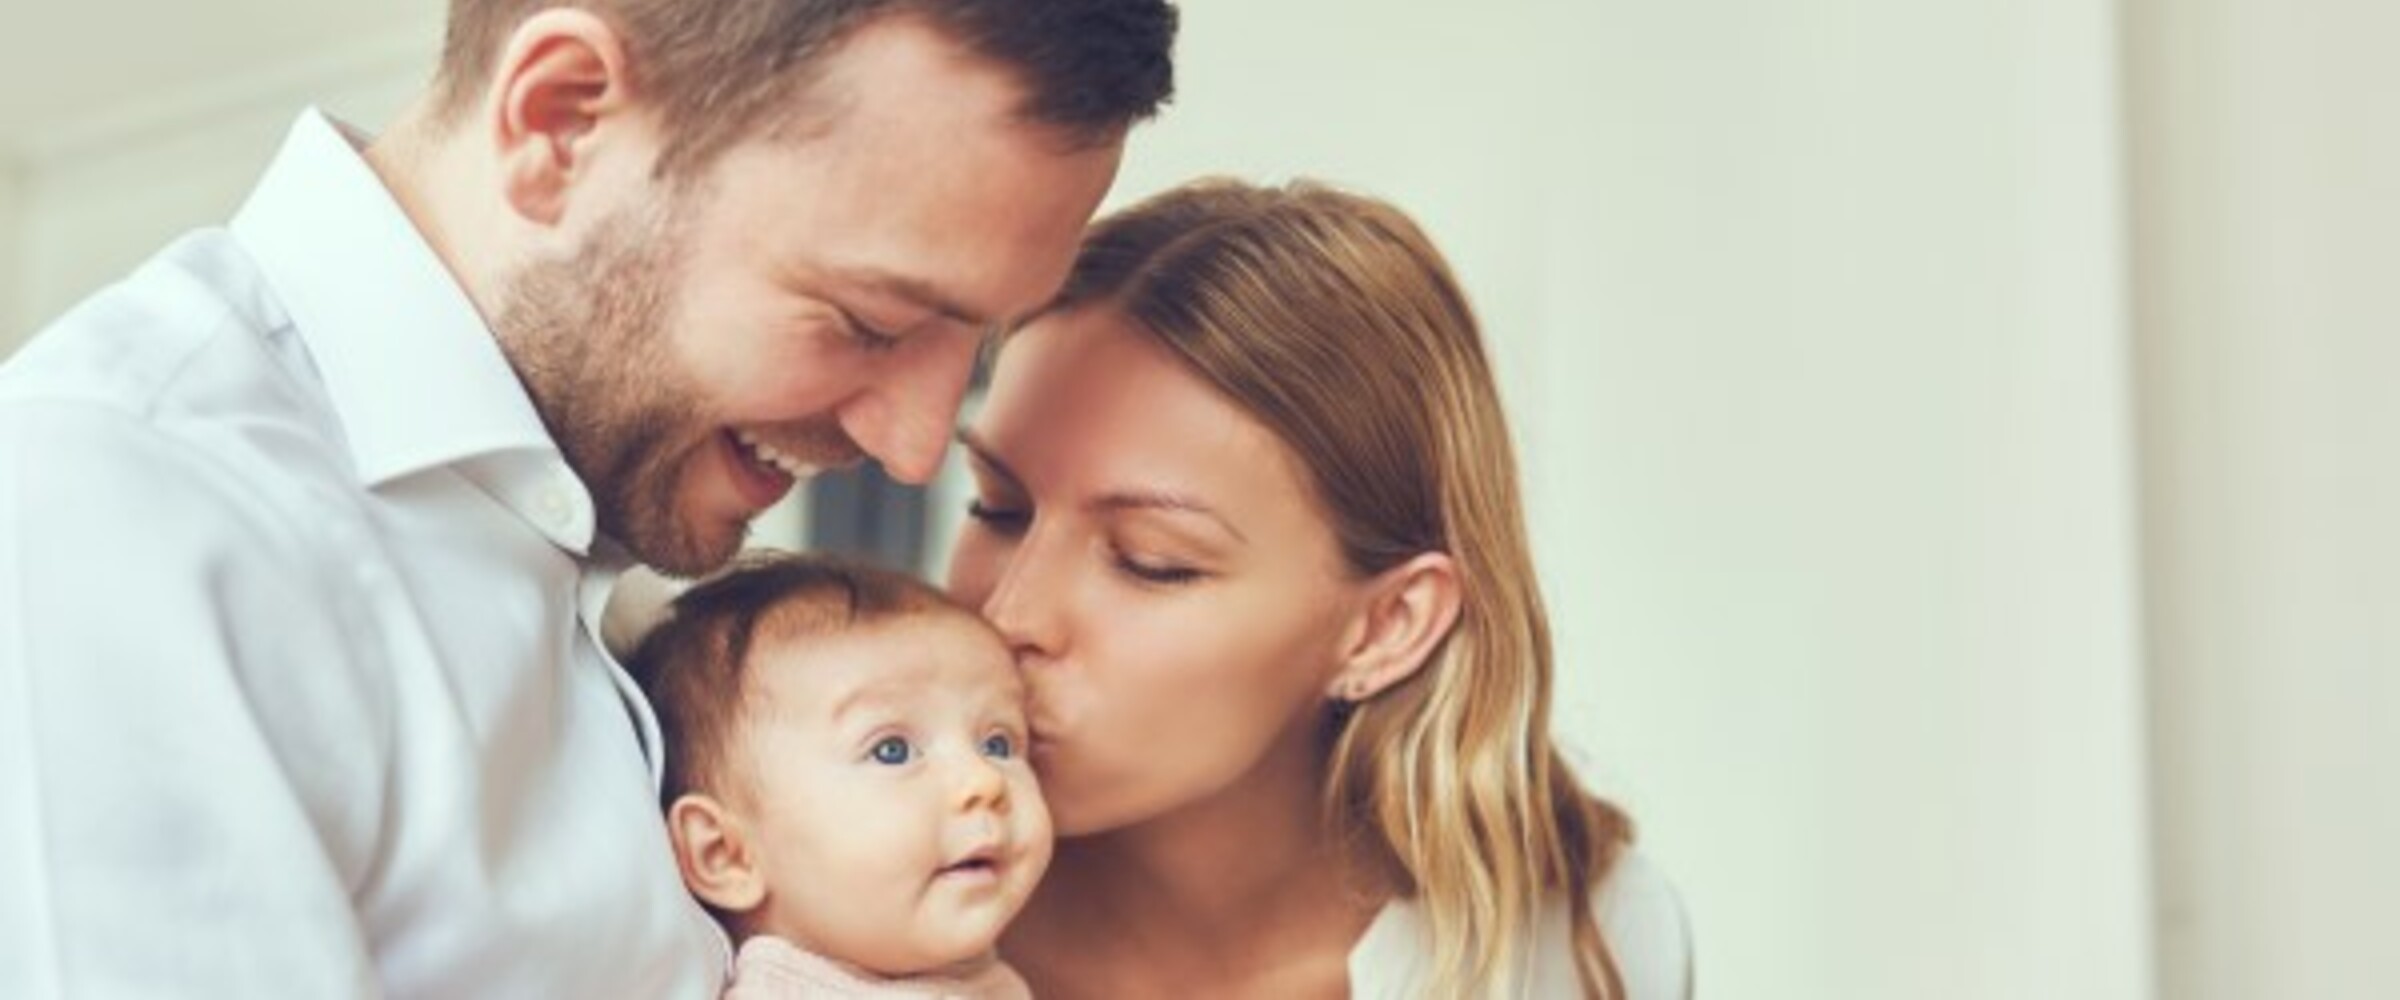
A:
[694,665]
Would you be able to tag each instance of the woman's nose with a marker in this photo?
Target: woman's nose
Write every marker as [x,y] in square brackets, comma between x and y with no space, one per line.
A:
[1023,605]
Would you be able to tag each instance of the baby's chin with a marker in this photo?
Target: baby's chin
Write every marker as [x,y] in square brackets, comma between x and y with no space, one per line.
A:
[952,960]
[907,951]
[965,943]
[970,945]
[953,925]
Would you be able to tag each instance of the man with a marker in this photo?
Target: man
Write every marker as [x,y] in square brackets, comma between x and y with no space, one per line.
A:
[305,528]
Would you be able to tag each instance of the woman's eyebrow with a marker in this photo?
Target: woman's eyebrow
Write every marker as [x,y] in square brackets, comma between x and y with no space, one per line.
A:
[1162,500]
[983,456]
[1115,501]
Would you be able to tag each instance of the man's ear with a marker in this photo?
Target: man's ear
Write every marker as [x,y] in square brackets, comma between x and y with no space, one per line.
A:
[562,73]
[714,853]
[1409,609]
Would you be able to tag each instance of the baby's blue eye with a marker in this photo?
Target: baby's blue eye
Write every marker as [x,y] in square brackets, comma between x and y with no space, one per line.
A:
[890,750]
[999,746]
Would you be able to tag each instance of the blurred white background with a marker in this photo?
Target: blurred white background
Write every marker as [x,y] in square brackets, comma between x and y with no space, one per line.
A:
[1962,436]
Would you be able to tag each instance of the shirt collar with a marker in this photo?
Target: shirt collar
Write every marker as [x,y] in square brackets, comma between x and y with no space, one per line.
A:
[410,367]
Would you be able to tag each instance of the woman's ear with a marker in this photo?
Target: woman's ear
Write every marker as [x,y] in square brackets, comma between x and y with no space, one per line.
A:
[562,74]
[714,854]
[1409,610]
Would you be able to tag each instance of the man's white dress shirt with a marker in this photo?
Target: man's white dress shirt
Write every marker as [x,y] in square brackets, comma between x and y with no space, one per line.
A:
[299,689]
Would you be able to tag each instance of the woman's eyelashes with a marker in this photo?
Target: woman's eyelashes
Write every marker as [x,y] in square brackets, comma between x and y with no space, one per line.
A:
[1156,571]
[1009,519]
[1000,517]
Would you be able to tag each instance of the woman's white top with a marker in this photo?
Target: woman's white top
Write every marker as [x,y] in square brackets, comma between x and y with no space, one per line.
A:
[1640,915]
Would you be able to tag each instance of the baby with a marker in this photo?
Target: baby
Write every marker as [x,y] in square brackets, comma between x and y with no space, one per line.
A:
[846,782]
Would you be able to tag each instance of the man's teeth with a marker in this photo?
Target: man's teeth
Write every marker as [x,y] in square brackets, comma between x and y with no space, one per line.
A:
[767,455]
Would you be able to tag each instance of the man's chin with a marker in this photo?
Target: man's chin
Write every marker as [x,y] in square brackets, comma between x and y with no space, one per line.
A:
[685,554]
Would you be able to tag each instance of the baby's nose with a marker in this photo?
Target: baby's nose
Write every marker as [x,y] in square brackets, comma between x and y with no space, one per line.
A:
[981,785]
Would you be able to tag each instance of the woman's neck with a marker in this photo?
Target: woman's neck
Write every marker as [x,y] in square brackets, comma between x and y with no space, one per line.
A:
[1206,868]
[1247,884]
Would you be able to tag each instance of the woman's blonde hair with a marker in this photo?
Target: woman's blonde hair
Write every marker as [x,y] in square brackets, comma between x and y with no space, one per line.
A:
[1332,319]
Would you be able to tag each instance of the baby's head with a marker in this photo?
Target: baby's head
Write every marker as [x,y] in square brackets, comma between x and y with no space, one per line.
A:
[845,762]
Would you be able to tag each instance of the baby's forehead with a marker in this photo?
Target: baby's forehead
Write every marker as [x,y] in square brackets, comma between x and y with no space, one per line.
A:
[813,623]
[936,656]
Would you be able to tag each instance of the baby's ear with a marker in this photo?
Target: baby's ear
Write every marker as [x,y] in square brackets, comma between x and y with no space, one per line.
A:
[714,854]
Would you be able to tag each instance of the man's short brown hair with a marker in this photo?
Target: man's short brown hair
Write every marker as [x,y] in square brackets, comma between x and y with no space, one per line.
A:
[694,666]
[715,67]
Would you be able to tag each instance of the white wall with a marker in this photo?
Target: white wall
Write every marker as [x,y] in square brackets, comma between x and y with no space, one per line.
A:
[12,313]
[100,195]
[1811,319]
[2267,252]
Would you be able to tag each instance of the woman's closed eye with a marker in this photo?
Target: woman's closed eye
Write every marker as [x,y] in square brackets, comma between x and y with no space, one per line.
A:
[1157,571]
[1000,518]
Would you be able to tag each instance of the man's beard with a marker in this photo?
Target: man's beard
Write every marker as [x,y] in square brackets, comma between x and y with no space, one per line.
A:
[587,337]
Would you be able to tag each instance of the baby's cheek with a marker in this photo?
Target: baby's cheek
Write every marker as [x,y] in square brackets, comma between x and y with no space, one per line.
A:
[1034,829]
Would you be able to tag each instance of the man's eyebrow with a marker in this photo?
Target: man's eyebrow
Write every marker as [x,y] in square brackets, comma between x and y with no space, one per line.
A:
[918,292]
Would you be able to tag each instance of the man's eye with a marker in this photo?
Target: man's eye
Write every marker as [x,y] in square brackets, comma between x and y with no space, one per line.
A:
[999,746]
[868,337]
[891,750]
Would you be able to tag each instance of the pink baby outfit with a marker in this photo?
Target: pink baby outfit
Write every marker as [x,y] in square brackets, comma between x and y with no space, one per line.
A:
[771,968]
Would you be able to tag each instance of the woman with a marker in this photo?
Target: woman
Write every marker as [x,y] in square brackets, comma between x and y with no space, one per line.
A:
[1247,512]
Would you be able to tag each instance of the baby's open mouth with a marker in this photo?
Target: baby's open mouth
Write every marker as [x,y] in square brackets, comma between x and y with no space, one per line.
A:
[981,863]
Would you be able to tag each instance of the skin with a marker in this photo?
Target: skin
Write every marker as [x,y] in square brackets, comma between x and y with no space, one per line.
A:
[1125,514]
[813,297]
[883,811]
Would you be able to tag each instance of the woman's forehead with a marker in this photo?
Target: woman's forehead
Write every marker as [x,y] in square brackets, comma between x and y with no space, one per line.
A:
[1107,409]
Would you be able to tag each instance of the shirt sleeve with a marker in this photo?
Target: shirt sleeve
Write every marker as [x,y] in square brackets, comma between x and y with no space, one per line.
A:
[193,725]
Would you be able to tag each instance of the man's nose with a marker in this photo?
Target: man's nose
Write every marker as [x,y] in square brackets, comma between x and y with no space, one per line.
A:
[906,420]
